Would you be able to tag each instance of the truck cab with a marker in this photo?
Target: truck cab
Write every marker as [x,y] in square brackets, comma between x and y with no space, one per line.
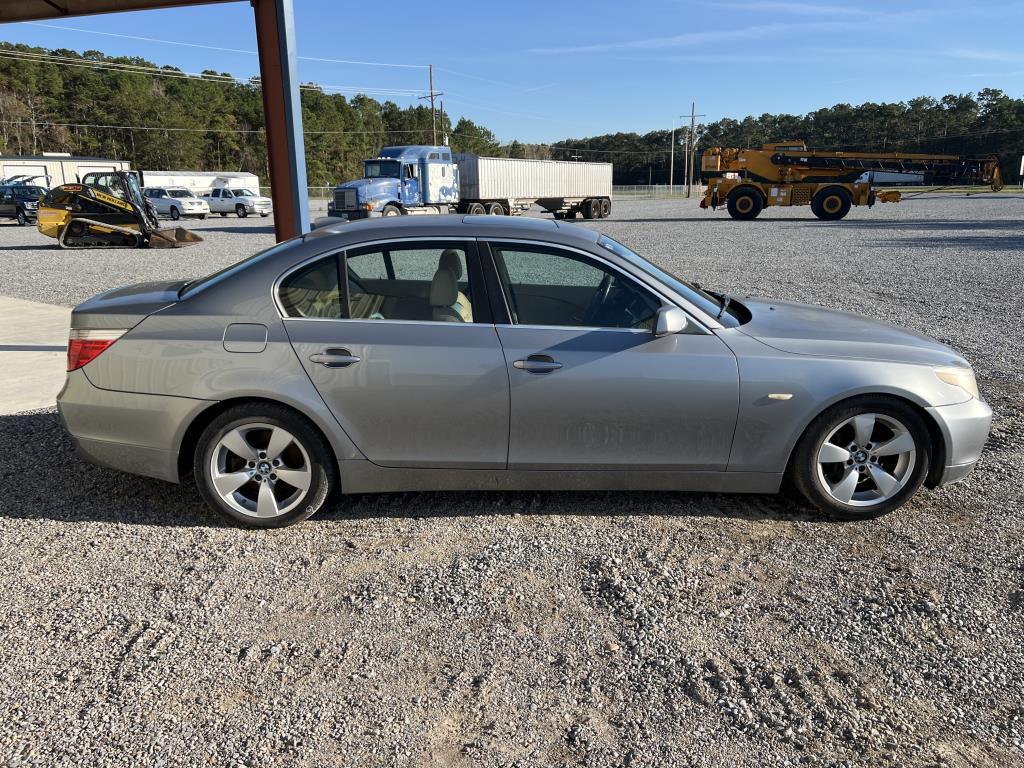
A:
[409,179]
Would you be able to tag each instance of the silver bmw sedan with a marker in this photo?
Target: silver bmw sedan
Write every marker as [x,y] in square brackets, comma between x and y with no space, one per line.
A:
[489,353]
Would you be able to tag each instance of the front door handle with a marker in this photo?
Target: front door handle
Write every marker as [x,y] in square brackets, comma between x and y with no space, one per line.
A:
[335,358]
[537,364]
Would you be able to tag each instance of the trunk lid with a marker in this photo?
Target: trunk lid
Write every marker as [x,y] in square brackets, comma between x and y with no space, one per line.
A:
[126,307]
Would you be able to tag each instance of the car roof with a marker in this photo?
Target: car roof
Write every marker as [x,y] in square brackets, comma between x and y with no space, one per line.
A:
[456,225]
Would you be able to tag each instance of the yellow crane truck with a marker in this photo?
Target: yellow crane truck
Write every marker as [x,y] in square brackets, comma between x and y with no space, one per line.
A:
[747,181]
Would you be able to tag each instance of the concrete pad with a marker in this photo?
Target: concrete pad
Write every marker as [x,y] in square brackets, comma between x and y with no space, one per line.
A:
[33,354]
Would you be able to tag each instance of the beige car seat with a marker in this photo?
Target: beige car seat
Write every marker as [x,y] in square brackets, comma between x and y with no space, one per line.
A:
[451,261]
[444,298]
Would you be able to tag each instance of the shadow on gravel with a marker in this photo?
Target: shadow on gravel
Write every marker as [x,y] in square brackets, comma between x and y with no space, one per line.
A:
[943,225]
[44,479]
[44,245]
[974,242]
[263,230]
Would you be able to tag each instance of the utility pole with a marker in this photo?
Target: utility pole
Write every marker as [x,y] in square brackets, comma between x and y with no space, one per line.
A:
[672,157]
[691,147]
[433,112]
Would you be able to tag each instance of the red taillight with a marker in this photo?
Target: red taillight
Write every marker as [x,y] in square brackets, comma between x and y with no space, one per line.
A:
[86,344]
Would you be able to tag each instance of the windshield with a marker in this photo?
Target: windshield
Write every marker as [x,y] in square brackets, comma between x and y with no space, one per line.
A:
[29,191]
[376,169]
[243,193]
[179,193]
[701,299]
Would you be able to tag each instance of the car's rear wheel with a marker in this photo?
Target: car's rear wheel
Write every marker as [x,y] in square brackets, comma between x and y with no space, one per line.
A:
[606,207]
[863,457]
[264,466]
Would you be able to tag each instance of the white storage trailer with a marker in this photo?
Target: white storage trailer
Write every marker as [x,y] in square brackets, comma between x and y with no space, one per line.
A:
[56,168]
[562,187]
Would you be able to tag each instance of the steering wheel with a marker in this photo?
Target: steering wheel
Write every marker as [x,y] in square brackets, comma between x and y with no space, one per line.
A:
[597,301]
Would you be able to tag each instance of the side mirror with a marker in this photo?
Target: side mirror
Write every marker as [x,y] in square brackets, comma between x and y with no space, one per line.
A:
[670,320]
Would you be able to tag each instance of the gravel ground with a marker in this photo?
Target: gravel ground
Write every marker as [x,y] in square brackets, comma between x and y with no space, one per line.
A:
[534,629]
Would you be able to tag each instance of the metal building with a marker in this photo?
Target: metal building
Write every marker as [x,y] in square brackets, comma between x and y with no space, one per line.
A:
[56,168]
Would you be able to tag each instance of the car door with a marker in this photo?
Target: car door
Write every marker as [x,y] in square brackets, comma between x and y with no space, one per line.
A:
[591,386]
[406,360]
[7,207]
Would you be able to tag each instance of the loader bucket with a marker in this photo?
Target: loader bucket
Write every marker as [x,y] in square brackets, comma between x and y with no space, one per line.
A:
[172,238]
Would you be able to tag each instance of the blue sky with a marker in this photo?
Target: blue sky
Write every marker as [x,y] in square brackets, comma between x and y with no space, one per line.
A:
[547,71]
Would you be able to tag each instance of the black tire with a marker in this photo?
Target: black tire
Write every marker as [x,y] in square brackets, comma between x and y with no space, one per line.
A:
[831,204]
[240,210]
[324,476]
[264,215]
[476,209]
[558,214]
[495,209]
[804,467]
[606,207]
[744,204]
[21,217]
[202,217]
[391,210]
[571,214]
[224,214]
[590,211]
[175,213]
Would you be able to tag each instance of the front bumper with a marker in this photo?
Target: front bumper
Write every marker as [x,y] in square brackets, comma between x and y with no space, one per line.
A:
[126,431]
[352,215]
[964,427]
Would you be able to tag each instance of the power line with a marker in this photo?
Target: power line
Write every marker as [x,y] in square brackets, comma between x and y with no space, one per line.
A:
[210,129]
[114,66]
[224,50]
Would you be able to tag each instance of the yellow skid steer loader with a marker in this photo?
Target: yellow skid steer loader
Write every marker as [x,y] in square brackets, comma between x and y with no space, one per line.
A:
[106,210]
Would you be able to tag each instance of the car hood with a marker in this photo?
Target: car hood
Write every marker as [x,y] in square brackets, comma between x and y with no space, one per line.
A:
[254,198]
[372,189]
[803,329]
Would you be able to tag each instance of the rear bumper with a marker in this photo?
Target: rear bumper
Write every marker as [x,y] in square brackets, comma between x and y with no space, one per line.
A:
[964,428]
[126,431]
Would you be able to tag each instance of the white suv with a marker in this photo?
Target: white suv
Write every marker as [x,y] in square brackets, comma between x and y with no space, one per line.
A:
[176,202]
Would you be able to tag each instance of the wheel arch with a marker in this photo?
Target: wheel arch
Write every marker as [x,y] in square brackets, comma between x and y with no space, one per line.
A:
[937,447]
[744,186]
[190,438]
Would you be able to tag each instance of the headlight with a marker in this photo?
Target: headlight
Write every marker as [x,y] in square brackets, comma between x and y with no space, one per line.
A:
[250,204]
[960,377]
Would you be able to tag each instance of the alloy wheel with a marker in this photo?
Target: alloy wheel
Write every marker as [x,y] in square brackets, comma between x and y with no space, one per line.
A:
[866,460]
[260,470]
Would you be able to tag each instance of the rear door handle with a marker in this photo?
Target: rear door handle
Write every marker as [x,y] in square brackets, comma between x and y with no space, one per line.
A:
[537,364]
[335,358]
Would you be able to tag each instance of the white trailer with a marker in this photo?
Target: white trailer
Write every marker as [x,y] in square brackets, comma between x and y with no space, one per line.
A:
[52,169]
[561,187]
[201,183]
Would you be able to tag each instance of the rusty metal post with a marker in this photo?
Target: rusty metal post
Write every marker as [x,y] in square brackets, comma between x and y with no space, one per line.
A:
[275,41]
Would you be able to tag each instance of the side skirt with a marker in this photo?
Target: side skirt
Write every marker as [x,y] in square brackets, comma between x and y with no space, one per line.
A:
[360,476]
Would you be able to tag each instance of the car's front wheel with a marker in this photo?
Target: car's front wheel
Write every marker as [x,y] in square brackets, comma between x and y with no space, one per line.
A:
[22,218]
[264,466]
[862,457]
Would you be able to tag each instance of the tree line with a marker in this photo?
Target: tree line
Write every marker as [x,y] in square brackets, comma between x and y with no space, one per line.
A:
[987,123]
[157,117]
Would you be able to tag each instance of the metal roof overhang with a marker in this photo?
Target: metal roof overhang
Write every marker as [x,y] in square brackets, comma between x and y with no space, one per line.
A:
[37,10]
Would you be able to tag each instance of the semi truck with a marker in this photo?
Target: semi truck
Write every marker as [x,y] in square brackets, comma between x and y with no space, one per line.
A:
[788,173]
[432,179]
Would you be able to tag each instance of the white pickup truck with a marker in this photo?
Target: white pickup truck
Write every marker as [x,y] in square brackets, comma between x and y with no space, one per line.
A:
[242,202]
